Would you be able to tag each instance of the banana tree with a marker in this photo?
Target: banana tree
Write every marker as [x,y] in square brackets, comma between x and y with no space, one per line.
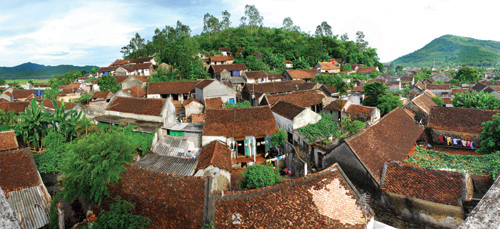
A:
[65,122]
[33,125]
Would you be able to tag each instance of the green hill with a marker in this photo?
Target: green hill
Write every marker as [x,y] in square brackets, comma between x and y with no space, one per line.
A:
[37,71]
[450,50]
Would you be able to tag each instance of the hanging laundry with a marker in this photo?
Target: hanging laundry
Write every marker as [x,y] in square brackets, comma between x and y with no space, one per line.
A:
[472,144]
[448,141]
[455,141]
[468,143]
[464,143]
[441,138]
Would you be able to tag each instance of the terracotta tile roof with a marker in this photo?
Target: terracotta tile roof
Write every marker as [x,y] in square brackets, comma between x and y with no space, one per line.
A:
[406,78]
[455,151]
[414,93]
[220,58]
[119,62]
[467,120]
[447,100]
[425,184]
[308,86]
[214,103]
[190,100]
[287,110]
[141,78]
[229,67]
[204,83]
[216,154]
[458,90]
[22,94]
[8,140]
[288,62]
[275,76]
[409,112]
[390,139]
[335,105]
[328,66]
[197,118]
[496,88]
[135,67]
[101,95]
[169,201]
[136,91]
[320,200]
[497,83]
[303,73]
[9,94]
[17,170]
[366,70]
[438,87]
[275,87]
[420,86]
[173,87]
[15,106]
[300,98]
[2,100]
[424,101]
[256,74]
[48,103]
[239,122]
[120,79]
[137,106]
[359,110]
[358,88]
[225,49]
[141,60]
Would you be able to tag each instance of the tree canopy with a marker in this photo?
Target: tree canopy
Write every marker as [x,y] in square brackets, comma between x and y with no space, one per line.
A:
[120,216]
[372,92]
[473,99]
[106,83]
[490,137]
[467,74]
[258,176]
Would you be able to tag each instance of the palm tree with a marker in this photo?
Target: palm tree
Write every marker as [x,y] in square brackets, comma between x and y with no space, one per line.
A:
[342,88]
[33,125]
[83,125]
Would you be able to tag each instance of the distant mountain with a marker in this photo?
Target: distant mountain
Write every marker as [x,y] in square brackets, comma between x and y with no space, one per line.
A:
[36,71]
[450,50]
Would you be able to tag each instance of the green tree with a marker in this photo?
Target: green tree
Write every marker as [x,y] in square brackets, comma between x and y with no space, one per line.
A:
[211,25]
[83,125]
[108,83]
[360,41]
[94,70]
[51,160]
[279,138]
[95,162]
[438,101]
[438,82]
[490,137]
[8,118]
[400,69]
[346,67]
[252,14]
[64,122]
[33,125]
[120,216]
[387,103]
[472,99]
[225,23]
[374,74]
[300,63]
[258,176]
[51,94]
[374,90]
[324,29]
[467,74]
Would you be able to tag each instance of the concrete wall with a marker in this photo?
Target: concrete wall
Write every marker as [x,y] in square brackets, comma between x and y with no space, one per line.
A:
[224,75]
[193,108]
[441,93]
[305,118]
[122,93]
[440,215]
[149,118]
[131,82]
[101,105]
[153,96]
[214,90]
[284,123]
[356,98]
[205,140]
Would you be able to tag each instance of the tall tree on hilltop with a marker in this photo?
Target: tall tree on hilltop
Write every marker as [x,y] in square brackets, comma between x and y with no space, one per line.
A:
[211,25]
[254,18]
[360,41]
[225,23]
[324,29]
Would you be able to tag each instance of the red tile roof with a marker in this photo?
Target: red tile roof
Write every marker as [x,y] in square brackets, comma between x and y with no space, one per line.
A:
[425,102]
[214,103]
[141,60]
[225,49]
[101,95]
[120,79]
[288,62]
[458,90]
[438,86]
[197,118]
[2,100]
[220,58]
[287,110]
[276,87]
[119,62]
[17,170]
[409,112]
[229,67]
[420,86]
[458,119]
[169,201]
[275,76]
[359,88]
[152,107]
[136,91]
[204,83]
[9,94]
[216,154]
[302,73]
[328,66]
[390,139]
[335,105]
[447,100]
[8,140]
[256,74]
[15,106]
[239,122]
[48,103]
[425,184]
[173,87]
[22,94]
[320,200]
[190,100]
[366,70]
[455,151]
[300,98]
[359,110]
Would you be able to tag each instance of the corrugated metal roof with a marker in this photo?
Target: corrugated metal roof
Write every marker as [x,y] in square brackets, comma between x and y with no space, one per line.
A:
[7,217]
[169,146]
[186,127]
[168,164]
[31,206]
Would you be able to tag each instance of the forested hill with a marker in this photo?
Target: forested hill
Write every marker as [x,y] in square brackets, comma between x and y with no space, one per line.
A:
[175,45]
[36,71]
[450,50]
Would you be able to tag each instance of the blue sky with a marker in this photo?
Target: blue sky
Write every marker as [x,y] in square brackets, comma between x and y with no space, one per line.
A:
[54,32]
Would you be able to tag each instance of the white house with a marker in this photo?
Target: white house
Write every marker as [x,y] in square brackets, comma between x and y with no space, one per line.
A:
[208,88]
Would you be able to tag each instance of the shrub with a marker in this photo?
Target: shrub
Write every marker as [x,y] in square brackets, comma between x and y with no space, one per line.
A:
[258,176]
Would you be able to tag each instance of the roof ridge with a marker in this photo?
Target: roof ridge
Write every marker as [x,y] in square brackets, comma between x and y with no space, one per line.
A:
[138,167]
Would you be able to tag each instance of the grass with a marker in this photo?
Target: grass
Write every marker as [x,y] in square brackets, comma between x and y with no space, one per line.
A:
[24,81]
